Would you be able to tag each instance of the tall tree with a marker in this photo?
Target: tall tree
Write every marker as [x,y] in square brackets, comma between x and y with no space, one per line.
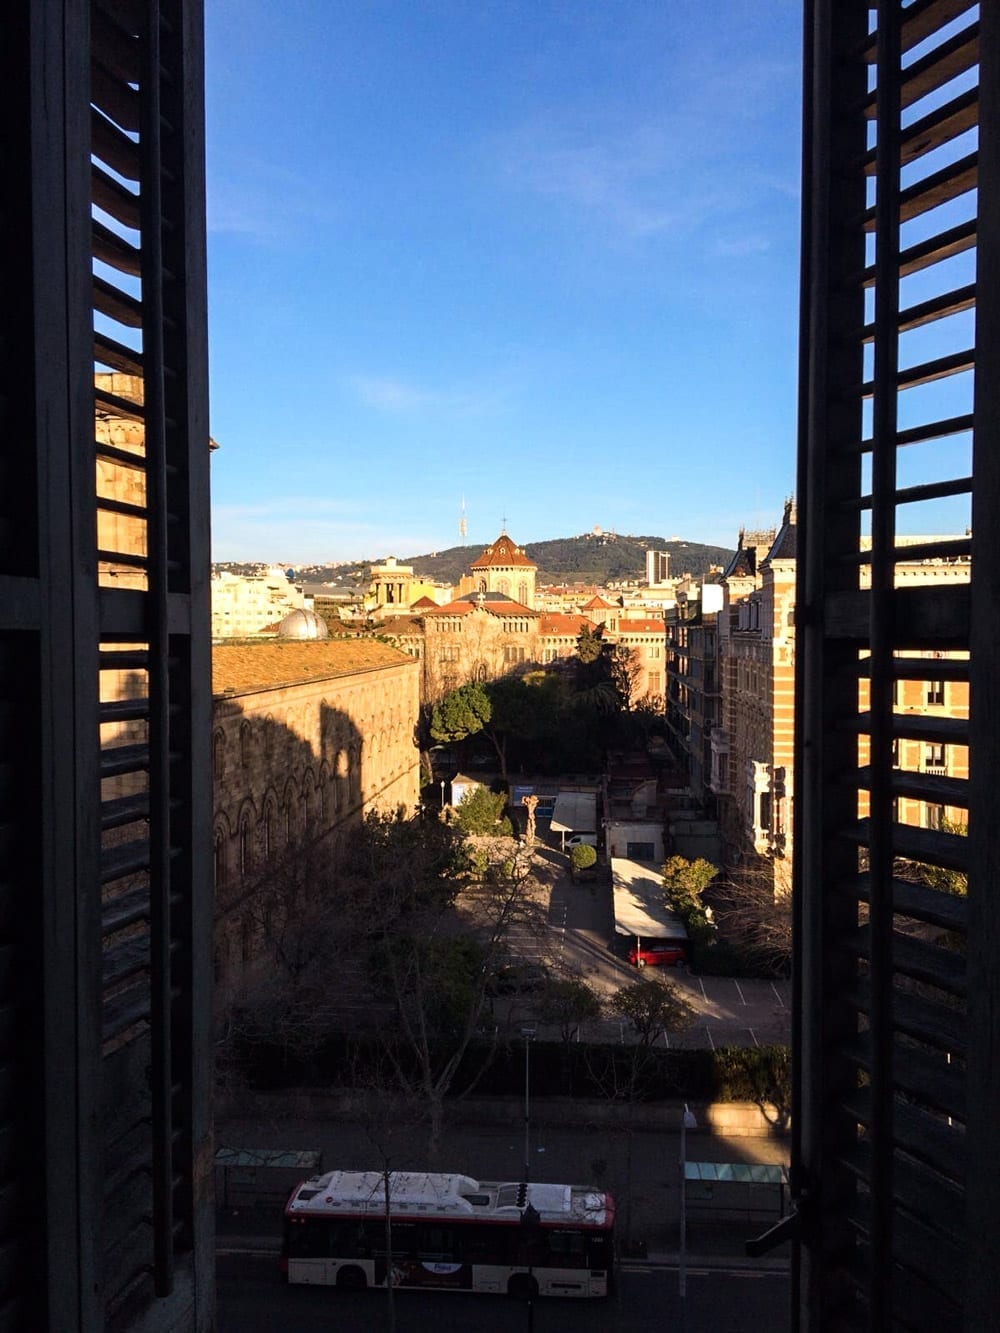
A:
[435,975]
[625,669]
[461,713]
[651,1006]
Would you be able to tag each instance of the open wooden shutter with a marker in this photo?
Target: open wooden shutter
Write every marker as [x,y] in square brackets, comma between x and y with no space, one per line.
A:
[105,787]
[896,982]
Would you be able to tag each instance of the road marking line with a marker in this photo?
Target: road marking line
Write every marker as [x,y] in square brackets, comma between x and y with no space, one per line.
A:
[777,996]
[740,990]
[708,1034]
[704,993]
[754,1035]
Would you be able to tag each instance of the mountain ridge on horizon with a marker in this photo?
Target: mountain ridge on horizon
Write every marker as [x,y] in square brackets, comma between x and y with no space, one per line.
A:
[587,558]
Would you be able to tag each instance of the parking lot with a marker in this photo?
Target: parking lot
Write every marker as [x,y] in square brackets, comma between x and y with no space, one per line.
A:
[729,1011]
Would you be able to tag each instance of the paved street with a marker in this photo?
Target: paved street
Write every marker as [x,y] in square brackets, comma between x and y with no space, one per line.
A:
[640,1167]
[252,1298]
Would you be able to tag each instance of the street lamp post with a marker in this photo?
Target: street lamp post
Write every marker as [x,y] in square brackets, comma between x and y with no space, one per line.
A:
[442,793]
[687,1122]
[527,1032]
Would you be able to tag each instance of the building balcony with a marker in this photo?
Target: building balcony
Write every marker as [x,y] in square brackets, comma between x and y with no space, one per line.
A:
[721,740]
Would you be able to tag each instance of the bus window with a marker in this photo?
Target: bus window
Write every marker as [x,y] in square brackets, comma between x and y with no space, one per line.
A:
[308,1240]
[567,1249]
[436,1243]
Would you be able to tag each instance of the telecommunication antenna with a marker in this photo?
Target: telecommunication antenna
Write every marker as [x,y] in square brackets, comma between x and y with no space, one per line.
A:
[463,527]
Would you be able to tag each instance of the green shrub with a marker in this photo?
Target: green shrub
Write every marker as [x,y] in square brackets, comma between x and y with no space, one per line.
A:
[583,856]
[481,811]
[759,1074]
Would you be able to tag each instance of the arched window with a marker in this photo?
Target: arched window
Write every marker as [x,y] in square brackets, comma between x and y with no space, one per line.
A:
[268,831]
[245,740]
[220,858]
[503,585]
[482,586]
[246,848]
[218,755]
[522,592]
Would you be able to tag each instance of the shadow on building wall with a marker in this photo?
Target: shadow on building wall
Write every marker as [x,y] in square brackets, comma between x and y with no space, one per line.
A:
[283,808]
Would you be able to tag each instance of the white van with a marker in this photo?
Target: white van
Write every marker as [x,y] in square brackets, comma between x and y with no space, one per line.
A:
[582,839]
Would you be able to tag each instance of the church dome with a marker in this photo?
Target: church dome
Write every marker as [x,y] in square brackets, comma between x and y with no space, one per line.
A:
[300,624]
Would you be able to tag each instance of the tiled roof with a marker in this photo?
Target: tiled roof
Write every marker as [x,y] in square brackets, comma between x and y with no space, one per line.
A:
[784,544]
[497,605]
[424,604]
[502,552]
[641,627]
[742,565]
[250,666]
[558,622]
[402,625]
[597,603]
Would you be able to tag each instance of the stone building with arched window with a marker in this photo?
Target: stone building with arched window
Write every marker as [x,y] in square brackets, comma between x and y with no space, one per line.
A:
[307,737]
[504,568]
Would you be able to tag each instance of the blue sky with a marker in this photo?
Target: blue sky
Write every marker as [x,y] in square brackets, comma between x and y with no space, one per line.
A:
[542,254]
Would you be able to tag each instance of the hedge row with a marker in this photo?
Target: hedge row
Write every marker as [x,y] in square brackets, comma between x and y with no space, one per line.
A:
[574,1069]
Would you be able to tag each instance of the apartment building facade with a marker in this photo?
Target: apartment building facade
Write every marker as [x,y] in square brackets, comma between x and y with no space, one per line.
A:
[246,605]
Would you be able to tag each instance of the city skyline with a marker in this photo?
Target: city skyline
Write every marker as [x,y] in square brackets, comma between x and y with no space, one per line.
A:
[531,255]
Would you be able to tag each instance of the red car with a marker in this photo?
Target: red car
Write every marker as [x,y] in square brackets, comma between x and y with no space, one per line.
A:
[658,953]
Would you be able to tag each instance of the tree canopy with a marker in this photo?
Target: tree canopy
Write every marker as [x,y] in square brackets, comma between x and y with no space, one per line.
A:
[651,1006]
[481,811]
[461,713]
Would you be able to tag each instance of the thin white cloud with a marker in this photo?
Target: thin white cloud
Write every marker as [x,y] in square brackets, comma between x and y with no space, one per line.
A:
[393,395]
[263,201]
[294,530]
[739,247]
[664,173]
[388,394]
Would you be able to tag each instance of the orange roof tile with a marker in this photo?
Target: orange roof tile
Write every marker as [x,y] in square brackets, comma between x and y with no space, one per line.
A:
[502,552]
[559,622]
[250,666]
[597,603]
[641,627]
[463,608]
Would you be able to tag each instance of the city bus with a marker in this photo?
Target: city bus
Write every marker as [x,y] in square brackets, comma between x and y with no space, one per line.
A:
[449,1232]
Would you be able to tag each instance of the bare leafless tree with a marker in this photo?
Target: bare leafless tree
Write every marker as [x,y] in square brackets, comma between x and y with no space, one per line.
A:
[753,906]
[437,972]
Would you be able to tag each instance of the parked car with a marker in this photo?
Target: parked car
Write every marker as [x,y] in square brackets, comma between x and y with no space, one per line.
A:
[658,953]
[578,839]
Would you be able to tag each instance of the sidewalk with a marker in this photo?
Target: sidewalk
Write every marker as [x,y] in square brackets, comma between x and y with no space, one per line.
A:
[493,1148]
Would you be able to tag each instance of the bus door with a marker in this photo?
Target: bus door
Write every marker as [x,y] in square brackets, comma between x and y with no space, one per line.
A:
[308,1256]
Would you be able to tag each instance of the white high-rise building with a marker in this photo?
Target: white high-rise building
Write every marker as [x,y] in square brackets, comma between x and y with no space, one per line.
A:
[657,568]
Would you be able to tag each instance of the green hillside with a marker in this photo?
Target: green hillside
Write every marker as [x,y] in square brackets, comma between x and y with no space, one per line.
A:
[587,559]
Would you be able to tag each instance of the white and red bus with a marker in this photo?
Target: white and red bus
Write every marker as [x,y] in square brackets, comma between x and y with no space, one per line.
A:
[449,1232]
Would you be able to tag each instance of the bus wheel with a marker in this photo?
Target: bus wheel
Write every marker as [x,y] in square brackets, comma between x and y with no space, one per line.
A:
[523,1287]
[351,1279]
